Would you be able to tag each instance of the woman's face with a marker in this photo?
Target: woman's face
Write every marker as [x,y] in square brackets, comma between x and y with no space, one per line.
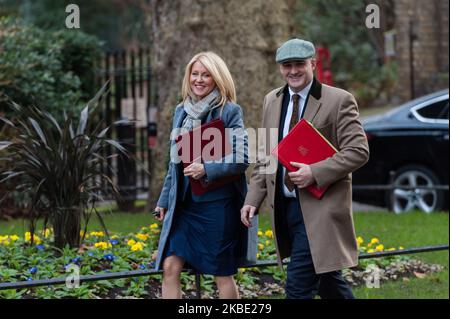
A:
[201,81]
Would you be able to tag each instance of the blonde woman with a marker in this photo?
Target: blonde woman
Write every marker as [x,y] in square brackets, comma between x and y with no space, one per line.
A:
[204,232]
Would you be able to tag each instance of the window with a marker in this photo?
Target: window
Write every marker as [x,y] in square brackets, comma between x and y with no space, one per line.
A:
[438,110]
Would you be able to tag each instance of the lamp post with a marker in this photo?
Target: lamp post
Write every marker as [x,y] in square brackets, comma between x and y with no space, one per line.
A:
[412,39]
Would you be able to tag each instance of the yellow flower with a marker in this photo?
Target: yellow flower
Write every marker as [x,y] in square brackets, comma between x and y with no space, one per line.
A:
[154,226]
[143,237]
[260,246]
[390,249]
[97,233]
[156,231]
[374,241]
[114,236]
[267,242]
[258,255]
[260,233]
[401,248]
[144,228]
[131,242]
[5,240]
[379,248]
[269,233]
[102,245]
[36,238]
[14,237]
[371,251]
[47,233]
[137,247]
[360,240]
[369,245]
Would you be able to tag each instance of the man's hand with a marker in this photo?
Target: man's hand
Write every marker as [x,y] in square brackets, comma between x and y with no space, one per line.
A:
[195,170]
[303,177]
[162,213]
[247,213]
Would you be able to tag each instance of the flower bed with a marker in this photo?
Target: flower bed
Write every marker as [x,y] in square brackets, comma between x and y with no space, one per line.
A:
[23,259]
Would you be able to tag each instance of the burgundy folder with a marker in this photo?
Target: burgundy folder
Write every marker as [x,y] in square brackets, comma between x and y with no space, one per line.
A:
[208,142]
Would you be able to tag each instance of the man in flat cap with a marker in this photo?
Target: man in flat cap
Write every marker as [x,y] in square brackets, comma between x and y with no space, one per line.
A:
[317,235]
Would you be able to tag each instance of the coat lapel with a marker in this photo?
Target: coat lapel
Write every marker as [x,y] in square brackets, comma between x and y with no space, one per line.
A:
[313,105]
[274,109]
[179,117]
[312,108]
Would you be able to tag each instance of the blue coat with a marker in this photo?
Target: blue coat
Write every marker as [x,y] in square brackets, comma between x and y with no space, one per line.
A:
[233,118]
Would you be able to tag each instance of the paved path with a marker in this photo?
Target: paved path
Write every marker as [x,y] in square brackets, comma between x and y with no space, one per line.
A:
[359,207]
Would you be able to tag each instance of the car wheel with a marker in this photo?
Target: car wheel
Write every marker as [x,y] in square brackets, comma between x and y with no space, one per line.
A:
[426,200]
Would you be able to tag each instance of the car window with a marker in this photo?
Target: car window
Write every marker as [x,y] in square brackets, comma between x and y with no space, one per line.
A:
[438,110]
[444,113]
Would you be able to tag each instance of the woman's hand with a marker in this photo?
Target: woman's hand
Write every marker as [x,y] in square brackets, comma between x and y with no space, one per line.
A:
[162,213]
[195,170]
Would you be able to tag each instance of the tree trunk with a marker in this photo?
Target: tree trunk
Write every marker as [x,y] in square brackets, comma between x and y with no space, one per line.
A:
[245,34]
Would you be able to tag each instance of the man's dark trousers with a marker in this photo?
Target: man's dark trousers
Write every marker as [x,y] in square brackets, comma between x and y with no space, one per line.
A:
[302,281]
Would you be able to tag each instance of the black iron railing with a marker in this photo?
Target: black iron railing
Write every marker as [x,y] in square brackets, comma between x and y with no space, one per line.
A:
[140,273]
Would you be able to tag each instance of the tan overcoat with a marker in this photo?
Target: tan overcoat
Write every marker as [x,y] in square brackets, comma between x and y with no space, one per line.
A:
[329,221]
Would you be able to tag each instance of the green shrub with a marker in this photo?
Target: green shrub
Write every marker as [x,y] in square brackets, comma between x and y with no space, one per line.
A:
[46,68]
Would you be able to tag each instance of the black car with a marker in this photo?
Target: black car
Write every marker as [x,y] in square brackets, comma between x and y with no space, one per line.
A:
[411,141]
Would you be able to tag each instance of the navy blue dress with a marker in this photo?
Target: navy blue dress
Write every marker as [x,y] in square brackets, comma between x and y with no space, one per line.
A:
[205,235]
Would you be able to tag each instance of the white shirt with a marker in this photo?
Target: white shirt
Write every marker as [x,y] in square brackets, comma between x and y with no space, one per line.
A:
[303,95]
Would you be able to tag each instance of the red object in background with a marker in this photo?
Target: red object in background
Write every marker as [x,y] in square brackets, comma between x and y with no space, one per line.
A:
[323,67]
[152,140]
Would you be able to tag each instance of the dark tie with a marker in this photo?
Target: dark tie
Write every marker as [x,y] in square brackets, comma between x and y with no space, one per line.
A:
[294,120]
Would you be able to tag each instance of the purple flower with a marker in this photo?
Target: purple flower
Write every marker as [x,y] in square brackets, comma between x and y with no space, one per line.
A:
[114,242]
[76,260]
[33,270]
[29,279]
[109,257]
[40,247]
[142,267]
[90,254]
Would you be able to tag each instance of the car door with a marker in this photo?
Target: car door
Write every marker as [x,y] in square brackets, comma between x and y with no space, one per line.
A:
[434,117]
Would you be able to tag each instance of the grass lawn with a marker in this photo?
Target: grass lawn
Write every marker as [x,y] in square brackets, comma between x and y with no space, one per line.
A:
[408,230]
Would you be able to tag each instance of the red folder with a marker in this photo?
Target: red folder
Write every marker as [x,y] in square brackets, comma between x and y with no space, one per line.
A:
[304,144]
[208,142]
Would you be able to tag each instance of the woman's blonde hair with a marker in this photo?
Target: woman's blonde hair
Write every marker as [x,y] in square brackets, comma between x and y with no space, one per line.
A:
[219,72]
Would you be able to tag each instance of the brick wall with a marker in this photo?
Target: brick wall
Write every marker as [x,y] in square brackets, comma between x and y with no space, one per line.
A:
[429,20]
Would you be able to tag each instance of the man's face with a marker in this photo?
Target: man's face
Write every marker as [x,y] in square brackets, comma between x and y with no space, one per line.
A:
[298,73]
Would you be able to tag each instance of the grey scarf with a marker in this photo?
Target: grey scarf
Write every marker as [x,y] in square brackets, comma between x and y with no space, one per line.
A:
[198,110]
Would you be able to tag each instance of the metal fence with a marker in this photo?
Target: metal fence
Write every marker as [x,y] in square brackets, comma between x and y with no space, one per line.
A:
[140,273]
[130,97]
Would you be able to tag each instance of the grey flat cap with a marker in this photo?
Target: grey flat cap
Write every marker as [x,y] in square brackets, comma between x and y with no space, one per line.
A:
[295,49]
